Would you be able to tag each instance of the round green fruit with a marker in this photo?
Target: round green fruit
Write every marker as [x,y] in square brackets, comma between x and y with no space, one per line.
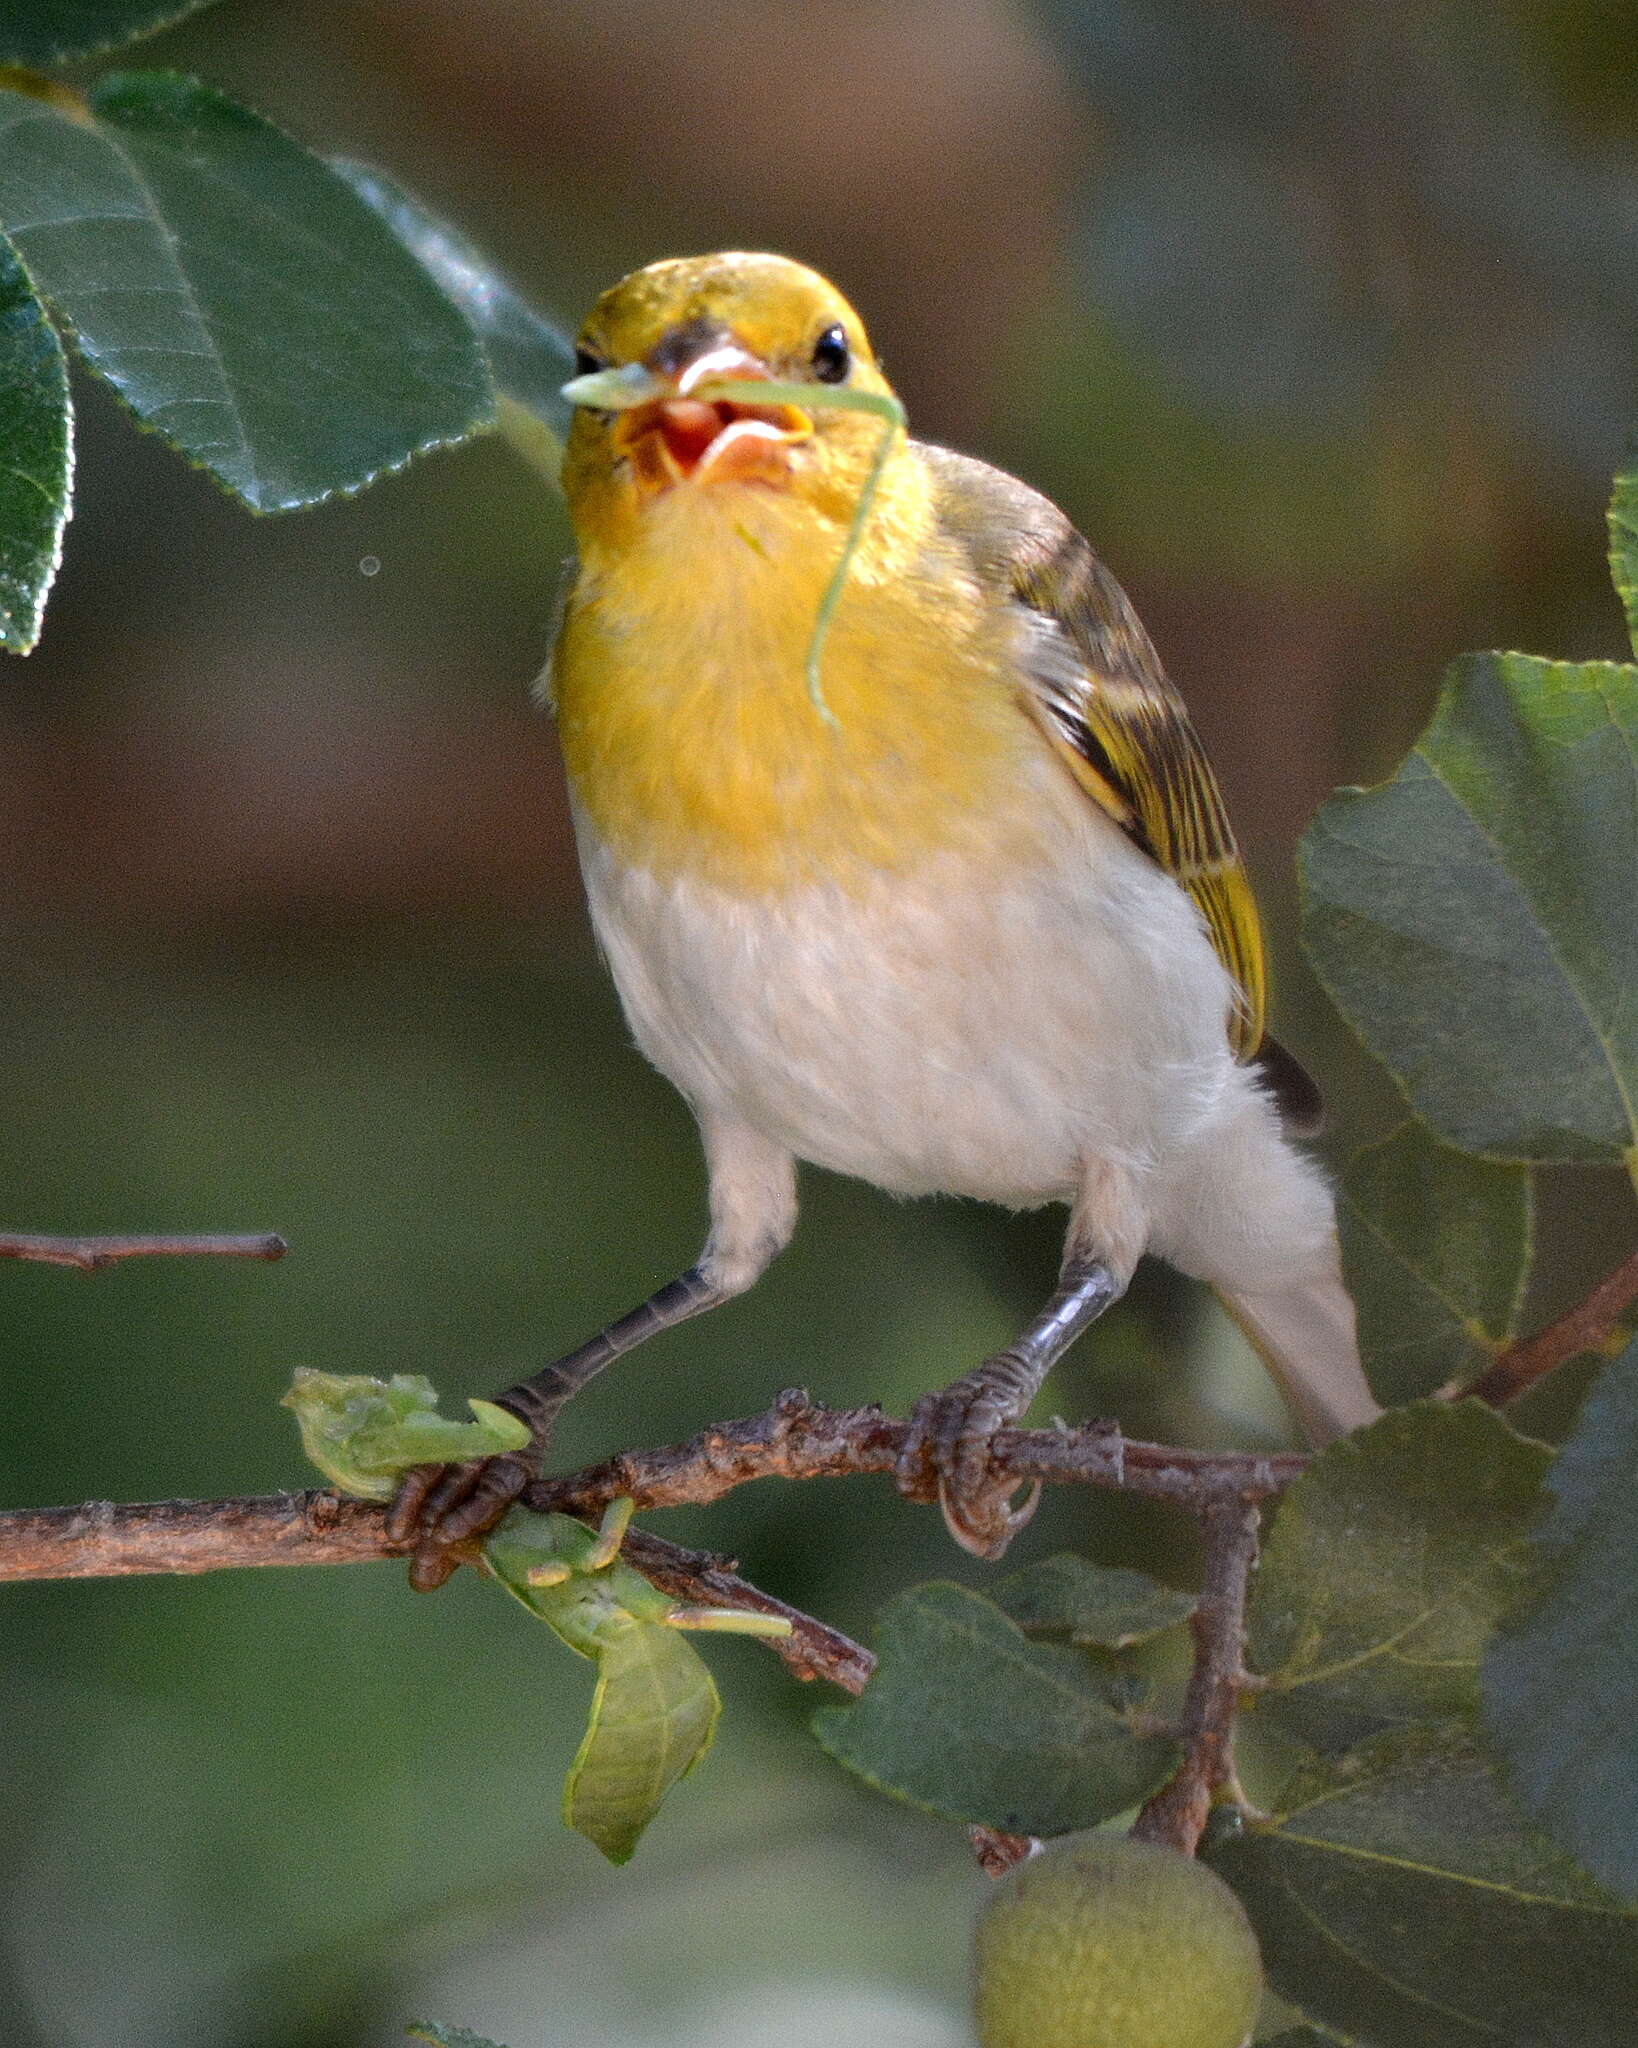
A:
[1103,1942]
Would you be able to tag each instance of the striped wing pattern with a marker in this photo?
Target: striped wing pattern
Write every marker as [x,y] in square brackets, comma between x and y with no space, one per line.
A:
[1125,731]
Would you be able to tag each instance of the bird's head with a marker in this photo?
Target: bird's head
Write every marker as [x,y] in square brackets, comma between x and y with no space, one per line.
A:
[675,329]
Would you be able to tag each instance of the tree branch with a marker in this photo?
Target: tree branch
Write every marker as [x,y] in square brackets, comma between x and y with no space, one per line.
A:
[1587,1327]
[1176,1814]
[92,1254]
[795,1439]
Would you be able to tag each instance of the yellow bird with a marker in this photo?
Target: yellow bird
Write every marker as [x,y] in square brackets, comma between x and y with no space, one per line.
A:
[969,920]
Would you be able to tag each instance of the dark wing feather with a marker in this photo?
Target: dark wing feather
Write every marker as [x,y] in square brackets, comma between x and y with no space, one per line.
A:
[1096,684]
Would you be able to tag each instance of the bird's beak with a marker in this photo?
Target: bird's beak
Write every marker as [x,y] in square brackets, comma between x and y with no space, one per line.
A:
[669,436]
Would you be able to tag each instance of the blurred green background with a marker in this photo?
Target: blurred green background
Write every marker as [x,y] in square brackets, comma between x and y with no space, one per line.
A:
[1321,322]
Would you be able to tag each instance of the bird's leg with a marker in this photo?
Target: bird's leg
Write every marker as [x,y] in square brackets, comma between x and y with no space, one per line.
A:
[951,1432]
[753,1212]
[444,1506]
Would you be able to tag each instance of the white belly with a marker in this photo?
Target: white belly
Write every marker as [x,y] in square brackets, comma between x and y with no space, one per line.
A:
[967,1030]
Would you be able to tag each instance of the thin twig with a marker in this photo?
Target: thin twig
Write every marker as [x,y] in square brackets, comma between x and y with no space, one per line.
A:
[1588,1326]
[795,1439]
[92,1254]
[1176,1814]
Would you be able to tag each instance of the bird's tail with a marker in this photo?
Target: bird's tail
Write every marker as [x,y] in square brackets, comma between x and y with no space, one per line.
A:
[1304,1334]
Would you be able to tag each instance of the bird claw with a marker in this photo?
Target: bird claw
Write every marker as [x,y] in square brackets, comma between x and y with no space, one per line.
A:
[947,1455]
[444,1509]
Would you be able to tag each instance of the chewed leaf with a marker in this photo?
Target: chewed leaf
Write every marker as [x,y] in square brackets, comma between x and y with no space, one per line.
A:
[652,1720]
[438,1440]
[363,1434]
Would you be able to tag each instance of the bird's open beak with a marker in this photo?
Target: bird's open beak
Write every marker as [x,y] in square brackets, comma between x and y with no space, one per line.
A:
[669,436]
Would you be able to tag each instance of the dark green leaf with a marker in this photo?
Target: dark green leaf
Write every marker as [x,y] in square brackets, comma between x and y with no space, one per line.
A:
[55,31]
[236,293]
[1100,1604]
[529,358]
[1624,540]
[1476,917]
[1399,1896]
[447,2037]
[1561,1678]
[36,456]
[967,1717]
[1436,1246]
[1389,1562]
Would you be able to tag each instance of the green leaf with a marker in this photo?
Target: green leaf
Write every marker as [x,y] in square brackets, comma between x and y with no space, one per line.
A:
[652,1719]
[1436,1247]
[1476,917]
[968,1718]
[57,31]
[1623,520]
[364,1434]
[529,359]
[1389,1563]
[1398,1896]
[235,292]
[36,456]
[655,1709]
[1561,1677]
[1102,1605]
[447,2037]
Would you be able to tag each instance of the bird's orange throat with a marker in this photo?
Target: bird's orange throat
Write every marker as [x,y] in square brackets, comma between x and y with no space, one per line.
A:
[691,739]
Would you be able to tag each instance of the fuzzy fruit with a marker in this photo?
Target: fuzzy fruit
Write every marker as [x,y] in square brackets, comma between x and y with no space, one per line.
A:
[1103,1942]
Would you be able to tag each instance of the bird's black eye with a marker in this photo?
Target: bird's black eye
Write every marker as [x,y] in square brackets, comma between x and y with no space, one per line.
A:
[832,359]
[585,362]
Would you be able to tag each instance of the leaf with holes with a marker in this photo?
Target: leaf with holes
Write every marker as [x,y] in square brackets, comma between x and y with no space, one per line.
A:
[1561,1676]
[1436,1247]
[1476,917]
[36,456]
[1389,1562]
[1399,1897]
[967,1717]
[237,294]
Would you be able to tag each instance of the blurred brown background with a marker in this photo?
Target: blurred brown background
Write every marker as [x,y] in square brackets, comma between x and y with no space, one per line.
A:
[1321,322]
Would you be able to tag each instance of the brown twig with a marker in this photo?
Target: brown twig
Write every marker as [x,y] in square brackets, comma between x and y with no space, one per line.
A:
[795,1439]
[1587,1327]
[92,1254]
[1176,1814]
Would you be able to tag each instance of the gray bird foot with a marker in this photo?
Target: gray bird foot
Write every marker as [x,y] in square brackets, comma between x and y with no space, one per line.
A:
[443,1510]
[947,1453]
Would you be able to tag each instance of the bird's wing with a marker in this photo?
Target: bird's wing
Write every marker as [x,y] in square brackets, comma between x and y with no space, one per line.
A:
[1093,680]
